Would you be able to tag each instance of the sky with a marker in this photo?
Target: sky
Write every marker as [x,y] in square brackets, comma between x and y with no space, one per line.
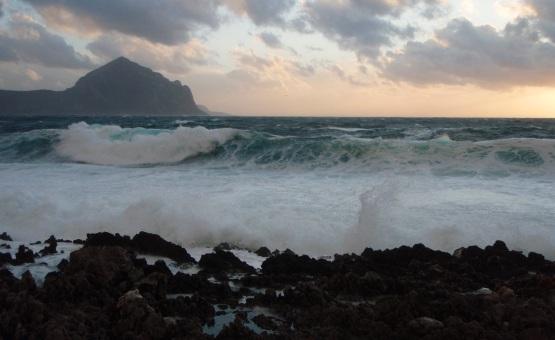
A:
[447,58]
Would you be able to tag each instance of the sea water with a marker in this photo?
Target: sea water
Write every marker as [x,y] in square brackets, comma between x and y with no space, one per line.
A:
[314,185]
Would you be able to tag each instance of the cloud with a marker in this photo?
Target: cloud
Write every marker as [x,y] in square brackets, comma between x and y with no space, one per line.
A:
[1,8]
[350,78]
[169,22]
[463,53]
[364,26]
[545,15]
[270,40]
[273,71]
[24,40]
[175,59]
[262,12]
[25,76]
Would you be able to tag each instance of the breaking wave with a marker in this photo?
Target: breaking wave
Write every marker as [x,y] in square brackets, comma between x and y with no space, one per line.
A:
[113,145]
[228,147]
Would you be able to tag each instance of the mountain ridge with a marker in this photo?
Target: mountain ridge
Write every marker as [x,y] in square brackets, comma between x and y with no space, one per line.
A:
[120,87]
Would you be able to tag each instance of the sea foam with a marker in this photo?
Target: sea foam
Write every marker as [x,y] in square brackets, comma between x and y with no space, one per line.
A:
[114,145]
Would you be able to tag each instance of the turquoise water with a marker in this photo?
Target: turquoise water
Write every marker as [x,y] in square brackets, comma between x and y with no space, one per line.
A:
[316,185]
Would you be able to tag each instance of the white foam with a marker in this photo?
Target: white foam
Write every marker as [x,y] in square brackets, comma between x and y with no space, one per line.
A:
[312,212]
[113,145]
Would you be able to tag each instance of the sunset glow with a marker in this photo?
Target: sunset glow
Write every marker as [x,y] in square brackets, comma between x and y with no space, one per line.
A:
[445,58]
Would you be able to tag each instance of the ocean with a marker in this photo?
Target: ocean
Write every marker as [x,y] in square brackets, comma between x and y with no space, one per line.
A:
[315,185]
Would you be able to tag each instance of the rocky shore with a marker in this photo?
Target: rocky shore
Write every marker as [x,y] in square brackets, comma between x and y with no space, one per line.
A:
[144,287]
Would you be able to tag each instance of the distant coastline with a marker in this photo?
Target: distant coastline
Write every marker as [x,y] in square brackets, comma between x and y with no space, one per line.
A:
[121,87]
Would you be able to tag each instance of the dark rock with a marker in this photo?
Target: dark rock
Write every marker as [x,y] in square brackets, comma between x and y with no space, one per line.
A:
[135,318]
[23,255]
[5,258]
[265,322]
[263,252]
[52,243]
[35,243]
[5,237]
[236,330]
[425,325]
[78,241]
[62,265]
[161,267]
[153,244]
[290,263]
[498,248]
[5,246]
[223,261]
[107,239]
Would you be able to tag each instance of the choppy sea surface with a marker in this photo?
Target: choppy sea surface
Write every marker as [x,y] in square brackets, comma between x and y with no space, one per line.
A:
[315,185]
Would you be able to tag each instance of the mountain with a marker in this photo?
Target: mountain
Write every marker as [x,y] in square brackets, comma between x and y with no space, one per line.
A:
[121,87]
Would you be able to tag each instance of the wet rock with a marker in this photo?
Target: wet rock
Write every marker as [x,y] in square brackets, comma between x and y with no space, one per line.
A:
[155,245]
[5,246]
[27,282]
[483,291]
[263,252]
[63,264]
[265,322]
[223,261]
[78,241]
[505,292]
[107,239]
[5,258]
[236,330]
[498,248]
[23,255]
[135,318]
[5,237]
[290,263]
[50,247]
[425,325]
[154,284]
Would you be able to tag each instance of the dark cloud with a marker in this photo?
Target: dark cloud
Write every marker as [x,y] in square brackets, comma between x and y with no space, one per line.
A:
[364,26]
[268,12]
[545,19]
[349,78]
[27,41]
[466,54]
[168,22]
[175,59]
[1,8]
[270,40]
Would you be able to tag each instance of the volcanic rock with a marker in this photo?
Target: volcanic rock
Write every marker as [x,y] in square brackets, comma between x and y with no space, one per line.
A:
[5,237]
[223,261]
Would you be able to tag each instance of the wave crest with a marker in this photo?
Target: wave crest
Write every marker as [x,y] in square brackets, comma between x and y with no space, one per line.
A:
[114,145]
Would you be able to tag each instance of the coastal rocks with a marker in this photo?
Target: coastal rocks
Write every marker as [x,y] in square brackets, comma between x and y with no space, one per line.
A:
[414,292]
[5,258]
[144,243]
[223,261]
[50,247]
[425,325]
[5,237]
[24,255]
[263,252]
[135,318]
[153,244]
[290,263]
[107,239]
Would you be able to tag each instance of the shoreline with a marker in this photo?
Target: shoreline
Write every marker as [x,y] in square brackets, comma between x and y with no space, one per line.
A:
[113,286]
